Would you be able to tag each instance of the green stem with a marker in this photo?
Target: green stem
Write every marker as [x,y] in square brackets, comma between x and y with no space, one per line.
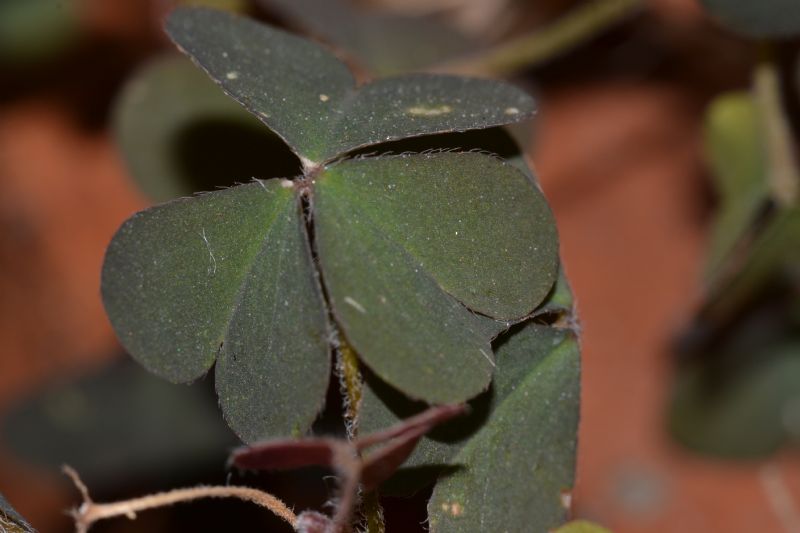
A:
[574,28]
[783,173]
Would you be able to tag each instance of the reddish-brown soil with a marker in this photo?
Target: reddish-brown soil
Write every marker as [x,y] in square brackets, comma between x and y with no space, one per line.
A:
[63,195]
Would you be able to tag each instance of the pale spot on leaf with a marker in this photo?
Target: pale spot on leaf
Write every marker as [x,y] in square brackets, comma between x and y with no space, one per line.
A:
[454,509]
[422,111]
[566,499]
[354,304]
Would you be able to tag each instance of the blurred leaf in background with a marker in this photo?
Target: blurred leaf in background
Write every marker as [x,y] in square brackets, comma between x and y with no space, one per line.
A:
[34,31]
[383,42]
[777,19]
[738,163]
[118,423]
[180,134]
[738,387]
[740,407]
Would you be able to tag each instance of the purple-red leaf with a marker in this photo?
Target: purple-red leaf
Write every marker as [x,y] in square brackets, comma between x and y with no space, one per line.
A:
[401,440]
[286,454]
[415,426]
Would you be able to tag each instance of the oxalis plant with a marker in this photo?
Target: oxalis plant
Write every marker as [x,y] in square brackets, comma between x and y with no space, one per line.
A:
[415,279]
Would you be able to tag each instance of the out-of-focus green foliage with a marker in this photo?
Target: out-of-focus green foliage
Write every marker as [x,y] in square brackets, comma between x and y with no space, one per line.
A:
[738,386]
[775,19]
[119,422]
[386,43]
[742,406]
[736,155]
[32,31]
[180,134]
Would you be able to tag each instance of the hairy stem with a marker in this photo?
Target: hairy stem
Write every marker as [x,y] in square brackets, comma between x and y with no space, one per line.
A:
[373,512]
[576,27]
[90,512]
[351,383]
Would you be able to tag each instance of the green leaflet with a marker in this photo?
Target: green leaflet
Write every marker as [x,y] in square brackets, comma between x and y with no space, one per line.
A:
[775,19]
[477,226]
[518,465]
[422,104]
[225,276]
[180,134]
[397,318]
[308,97]
[560,300]
[404,241]
[11,521]
[282,79]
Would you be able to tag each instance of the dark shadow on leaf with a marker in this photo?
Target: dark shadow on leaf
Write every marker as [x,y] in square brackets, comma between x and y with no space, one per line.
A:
[219,152]
[450,432]
[494,140]
[501,339]
[407,481]
[111,424]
